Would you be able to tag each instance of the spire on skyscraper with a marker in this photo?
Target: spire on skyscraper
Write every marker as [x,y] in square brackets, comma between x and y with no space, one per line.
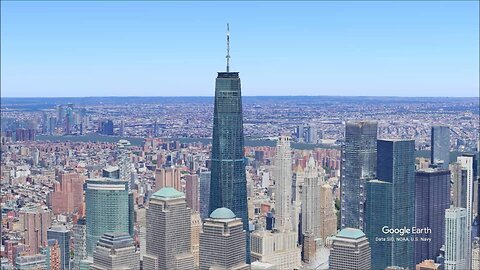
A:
[228,48]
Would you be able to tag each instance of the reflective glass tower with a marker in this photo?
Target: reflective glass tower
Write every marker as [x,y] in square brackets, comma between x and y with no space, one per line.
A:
[359,160]
[228,187]
[440,146]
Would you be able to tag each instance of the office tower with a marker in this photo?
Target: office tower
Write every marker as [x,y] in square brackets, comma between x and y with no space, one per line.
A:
[35,222]
[456,240]
[396,165]
[52,125]
[196,227]
[440,153]
[222,242]
[378,213]
[328,218]
[228,187]
[191,191]
[309,248]
[312,132]
[62,236]
[311,201]
[115,251]
[468,163]
[168,232]
[52,255]
[205,177]
[428,265]
[121,130]
[67,195]
[283,184]
[359,158]
[79,242]
[29,262]
[106,127]
[432,198]
[350,250]
[459,179]
[108,209]
[300,133]
[168,177]
[280,246]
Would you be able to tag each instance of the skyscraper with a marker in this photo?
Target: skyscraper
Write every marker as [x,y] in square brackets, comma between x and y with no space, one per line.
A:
[328,218]
[359,156]
[396,165]
[79,242]
[283,185]
[228,187]
[108,209]
[35,221]
[378,213]
[222,242]
[191,191]
[432,198]
[456,240]
[350,250]
[467,163]
[204,195]
[196,227]
[115,251]
[311,201]
[440,153]
[62,235]
[168,232]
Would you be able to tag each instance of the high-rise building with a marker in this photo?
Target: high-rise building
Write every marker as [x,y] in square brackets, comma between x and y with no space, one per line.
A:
[79,242]
[396,165]
[359,160]
[35,223]
[311,201]
[108,209]
[168,232]
[222,242]
[205,177]
[328,217]
[228,187]
[62,236]
[350,250]
[283,184]
[468,164]
[280,246]
[67,195]
[440,153]
[456,240]
[168,177]
[432,198]
[111,172]
[115,251]
[378,213]
[191,191]
[459,179]
[196,228]
[52,254]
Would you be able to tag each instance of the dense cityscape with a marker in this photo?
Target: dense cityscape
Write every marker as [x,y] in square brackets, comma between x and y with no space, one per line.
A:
[238,182]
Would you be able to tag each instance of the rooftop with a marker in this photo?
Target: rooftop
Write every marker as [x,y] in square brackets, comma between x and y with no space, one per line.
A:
[222,213]
[168,193]
[351,233]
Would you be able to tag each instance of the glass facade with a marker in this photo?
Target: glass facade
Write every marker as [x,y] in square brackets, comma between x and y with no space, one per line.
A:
[62,235]
[440,146]
[396,165]
[359,154]
[107,209]
[228,187]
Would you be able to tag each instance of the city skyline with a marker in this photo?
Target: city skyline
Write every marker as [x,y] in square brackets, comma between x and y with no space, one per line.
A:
[282,48]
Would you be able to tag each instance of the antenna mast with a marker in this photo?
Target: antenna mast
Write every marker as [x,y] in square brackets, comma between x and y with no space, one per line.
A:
[228,48]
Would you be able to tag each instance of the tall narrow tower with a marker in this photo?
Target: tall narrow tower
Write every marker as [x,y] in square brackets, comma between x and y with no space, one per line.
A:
[228,187]
[283,183]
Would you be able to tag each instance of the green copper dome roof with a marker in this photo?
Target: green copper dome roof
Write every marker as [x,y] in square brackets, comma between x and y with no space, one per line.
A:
[350,233]
[222,213]
[168,193]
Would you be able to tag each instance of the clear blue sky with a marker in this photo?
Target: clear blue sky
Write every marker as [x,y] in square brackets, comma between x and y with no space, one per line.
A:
[280,48]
